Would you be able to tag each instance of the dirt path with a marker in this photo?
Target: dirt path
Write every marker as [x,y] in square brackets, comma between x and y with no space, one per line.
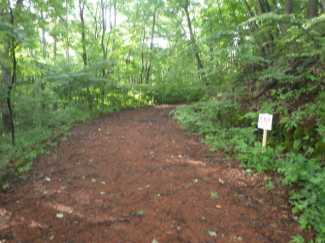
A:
[135,176]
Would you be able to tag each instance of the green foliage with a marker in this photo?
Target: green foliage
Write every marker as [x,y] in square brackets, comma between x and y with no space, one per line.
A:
[6,186]
[297,239]
[224,126]
[214,195]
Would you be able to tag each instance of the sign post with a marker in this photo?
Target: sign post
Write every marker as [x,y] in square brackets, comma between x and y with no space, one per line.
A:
[265,123]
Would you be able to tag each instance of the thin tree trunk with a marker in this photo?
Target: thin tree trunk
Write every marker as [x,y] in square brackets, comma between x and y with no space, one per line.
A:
[262,48]
[151,45]
[142,48]
[264,7]
[83,35]
[312,8]
[55,37]
[260,6]
[42,88]
[194,44]
[104,50]
[323,5]
[67,52]
[287,10]
[54,106]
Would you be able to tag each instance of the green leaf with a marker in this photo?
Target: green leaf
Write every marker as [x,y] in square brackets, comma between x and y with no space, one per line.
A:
[139,213]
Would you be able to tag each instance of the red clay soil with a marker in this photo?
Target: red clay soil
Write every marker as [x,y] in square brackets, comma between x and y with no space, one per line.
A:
[134,176]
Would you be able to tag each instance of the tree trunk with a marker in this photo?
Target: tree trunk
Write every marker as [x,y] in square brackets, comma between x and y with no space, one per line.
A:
[42,88]
[264,7]
[194,44]
[287,10]
[83,35]
[312,8]
[67,52]
[104,50]
[323,5]
[142,48]
[9,78]
[5,92]
[151,45]
[261,47]
[288,7]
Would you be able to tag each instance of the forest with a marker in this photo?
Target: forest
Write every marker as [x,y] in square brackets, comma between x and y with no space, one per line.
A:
[67,61]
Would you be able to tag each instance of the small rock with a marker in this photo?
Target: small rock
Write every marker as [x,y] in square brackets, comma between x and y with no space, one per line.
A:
[59,215]
[221,181]
[48,179]
[179,228]
[52,238]
[101,193]
[154,241]
[212,233]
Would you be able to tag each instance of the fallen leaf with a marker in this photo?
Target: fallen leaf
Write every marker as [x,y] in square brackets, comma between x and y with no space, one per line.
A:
[218,206]
[139,213]
[212,233]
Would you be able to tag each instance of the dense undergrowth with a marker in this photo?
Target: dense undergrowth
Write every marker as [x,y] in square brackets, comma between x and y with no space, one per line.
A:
[296,145]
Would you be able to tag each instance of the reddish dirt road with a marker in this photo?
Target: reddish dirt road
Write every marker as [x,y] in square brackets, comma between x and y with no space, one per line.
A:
[135,176]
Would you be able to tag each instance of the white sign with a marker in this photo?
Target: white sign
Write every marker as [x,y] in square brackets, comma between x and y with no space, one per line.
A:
[265,121]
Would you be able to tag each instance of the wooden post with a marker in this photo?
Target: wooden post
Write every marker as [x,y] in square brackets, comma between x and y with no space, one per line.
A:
[265,123]
[264,140]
